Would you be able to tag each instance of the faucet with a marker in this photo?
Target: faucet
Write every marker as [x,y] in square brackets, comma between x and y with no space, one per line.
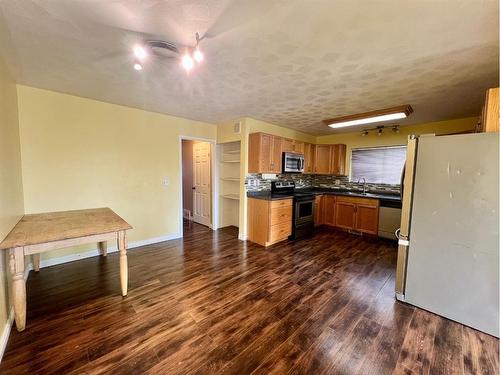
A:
[364,183]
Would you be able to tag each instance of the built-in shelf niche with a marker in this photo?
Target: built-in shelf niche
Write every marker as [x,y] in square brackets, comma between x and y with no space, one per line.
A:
[229,183]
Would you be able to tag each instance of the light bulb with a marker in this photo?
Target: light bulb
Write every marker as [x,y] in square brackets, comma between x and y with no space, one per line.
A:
[140,52]
[198,56]
[187,62]
[137,66]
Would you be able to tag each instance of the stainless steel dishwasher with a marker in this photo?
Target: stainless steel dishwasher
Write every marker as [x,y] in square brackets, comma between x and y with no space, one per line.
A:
[389,218]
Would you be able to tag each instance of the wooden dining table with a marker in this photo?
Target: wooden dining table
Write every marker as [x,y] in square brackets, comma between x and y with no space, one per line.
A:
[38,233]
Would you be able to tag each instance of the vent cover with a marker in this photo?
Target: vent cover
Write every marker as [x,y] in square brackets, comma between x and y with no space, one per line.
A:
[237,127]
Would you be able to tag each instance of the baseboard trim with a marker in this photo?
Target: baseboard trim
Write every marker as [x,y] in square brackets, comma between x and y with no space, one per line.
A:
[4,338]
[111,249]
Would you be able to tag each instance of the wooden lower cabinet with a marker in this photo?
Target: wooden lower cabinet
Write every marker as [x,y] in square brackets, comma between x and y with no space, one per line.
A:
[345,214]
[367,218]
[359,214]
[350,213]
[269,222]
[318,210]
[324,210]
[329,210]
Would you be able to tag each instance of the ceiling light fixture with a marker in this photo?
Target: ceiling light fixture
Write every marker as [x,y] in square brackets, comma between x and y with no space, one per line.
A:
[140,52]
[187,62]
[188,59]
[197,55]
[388,114]
[379,130]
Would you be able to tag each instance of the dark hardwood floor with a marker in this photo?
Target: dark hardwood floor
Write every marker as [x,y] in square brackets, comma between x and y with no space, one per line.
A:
[210,304]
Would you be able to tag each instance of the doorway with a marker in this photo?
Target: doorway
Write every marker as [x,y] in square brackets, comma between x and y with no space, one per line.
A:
[197,181]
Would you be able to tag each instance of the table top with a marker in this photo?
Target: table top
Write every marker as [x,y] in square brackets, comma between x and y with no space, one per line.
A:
[35,229]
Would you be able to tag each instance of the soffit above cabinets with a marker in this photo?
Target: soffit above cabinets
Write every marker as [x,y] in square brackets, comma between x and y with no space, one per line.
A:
[288,62]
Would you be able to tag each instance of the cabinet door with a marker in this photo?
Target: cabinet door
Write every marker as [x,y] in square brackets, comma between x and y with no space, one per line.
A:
[338,159]
[298,147]
[259,153]
[491,110]
[318,210]
[287,145]
[367,218]
[265,153]
[329,214]
[309,150]
[345,215]
[322,159]
[276,155]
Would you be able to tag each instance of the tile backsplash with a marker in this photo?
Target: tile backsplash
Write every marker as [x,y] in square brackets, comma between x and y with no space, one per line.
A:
[262,182]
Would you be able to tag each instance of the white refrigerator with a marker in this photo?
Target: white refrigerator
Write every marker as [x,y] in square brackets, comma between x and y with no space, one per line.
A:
[448,248]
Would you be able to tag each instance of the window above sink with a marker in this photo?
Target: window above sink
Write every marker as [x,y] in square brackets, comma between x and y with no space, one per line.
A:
[378,165]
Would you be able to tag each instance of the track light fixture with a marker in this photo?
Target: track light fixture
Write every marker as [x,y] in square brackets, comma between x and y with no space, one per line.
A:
[379,130]
[188,58]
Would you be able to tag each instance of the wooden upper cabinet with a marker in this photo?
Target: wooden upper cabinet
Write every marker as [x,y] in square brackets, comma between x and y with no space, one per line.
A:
[338,159]
[309,150]
[490,114]
[275,166]
[298,147]
[287,145]
[322,159]
[264,153]
[259,152]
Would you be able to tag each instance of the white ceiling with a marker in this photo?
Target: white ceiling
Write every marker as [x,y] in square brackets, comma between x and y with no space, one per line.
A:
[289,62]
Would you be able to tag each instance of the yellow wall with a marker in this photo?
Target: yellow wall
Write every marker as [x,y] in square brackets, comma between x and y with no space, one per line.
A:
[11,190]
[81,153]
[389,138]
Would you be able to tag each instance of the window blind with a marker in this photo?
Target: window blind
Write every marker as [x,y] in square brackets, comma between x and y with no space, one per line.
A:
[380,165]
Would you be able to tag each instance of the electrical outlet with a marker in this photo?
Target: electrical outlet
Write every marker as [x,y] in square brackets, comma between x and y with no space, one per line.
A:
[165,181]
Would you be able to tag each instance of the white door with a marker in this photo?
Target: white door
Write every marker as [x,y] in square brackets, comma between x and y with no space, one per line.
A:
[201,183]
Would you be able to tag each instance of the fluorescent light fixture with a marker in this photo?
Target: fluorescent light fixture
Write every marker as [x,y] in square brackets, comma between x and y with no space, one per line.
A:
[388,114]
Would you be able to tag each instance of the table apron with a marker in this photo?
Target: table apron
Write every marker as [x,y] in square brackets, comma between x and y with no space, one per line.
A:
[47,246]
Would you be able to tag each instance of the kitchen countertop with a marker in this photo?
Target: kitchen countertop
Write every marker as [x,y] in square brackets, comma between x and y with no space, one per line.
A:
[266,195]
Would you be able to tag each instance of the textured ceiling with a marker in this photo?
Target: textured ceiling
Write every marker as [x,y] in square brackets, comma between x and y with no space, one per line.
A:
[289,62]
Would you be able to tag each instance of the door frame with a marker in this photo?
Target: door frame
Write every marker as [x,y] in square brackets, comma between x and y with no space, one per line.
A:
[213,188]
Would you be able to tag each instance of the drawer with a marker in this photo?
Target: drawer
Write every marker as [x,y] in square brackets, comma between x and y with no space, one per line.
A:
[358,200]
[281,203]
[280,232]
[281,215]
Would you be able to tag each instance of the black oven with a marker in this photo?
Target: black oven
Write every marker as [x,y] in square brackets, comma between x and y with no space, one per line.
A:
[303,215]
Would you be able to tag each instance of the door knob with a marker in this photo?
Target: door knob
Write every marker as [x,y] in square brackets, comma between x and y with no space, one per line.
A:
[193,188]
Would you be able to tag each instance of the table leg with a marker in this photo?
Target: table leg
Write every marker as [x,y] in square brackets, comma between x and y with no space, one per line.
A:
[103,248]
[122,247]
[35,259]
[16,266]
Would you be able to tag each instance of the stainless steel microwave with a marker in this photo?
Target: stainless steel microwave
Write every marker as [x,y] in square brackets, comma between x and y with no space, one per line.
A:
[293,163]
